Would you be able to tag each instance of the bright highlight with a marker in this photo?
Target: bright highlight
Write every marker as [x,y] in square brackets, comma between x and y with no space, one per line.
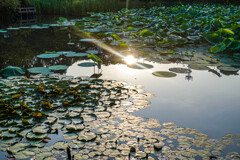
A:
[130,60]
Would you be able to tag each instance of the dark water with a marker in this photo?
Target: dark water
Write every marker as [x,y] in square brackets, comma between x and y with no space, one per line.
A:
[207,103]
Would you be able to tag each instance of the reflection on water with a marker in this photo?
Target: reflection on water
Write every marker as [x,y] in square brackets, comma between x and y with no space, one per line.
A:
[209,102]
[189,77]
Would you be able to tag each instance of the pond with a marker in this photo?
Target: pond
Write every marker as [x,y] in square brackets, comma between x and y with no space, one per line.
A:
[164,101]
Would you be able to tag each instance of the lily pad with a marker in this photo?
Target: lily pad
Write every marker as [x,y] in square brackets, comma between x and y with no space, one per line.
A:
[38,70]
[40,130]
[228,69]
[3,31]
[18,147]
[87,136]
[180,70]
[92,52]
[76,55]
[164,74]
[58,67]
[88,40]
[33,136]
[198,67]
[60,145]
[87,64]
[139,65]
[48,55]
[65,52]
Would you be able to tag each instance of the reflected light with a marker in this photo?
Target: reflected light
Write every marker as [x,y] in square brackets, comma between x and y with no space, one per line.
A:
[130,59]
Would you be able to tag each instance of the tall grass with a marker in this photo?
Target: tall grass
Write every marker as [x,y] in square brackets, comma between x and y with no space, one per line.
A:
[81,7]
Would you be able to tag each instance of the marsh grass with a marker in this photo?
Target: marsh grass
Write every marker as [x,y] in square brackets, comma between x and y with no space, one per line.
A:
[81,7]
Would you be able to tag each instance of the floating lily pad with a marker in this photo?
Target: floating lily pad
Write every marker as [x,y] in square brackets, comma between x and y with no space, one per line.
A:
[75,127]
[40,130]
[92,52]
[65,52]
[180,70]
[88,40]
[3,31]
[198,67]
[76,55]
[87,64]
[33,136]
[21,156]
[18,147]
[38,70]
[60,145]
[48,55]
[228,69]
[43,155]
[139,65]
[13,29]
[87,136]
[58,67]
[164,74]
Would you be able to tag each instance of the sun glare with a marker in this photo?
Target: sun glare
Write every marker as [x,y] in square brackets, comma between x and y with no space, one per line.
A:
[130,59]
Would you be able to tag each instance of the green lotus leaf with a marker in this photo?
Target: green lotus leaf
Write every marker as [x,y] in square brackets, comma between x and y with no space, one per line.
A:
[87,136]
[60,145]
[21,155]
[88,40]
[95,58]
[145,32]
[224,30]
[139,65]
[13,29]
[228,41]
[213,38]
[38,70]
[24,132]
[198,66]
[50,120]
[218,48]
[71,127]
[65,52]
[58,67]
[14,129]
[116,37]
[87,64]
[40,130]
[3,31]
[236,56]
[43,155]
[18,147]
[235,45]
[12,71]
[164,74]
[33,136]
[92,51]
[70,136]
[77,120]
[76,55]
[228,69]
[7,134]
[48,55]
[75,109]
[180,70]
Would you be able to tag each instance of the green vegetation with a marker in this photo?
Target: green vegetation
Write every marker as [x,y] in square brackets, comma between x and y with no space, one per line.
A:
[170,26]
[81,7]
